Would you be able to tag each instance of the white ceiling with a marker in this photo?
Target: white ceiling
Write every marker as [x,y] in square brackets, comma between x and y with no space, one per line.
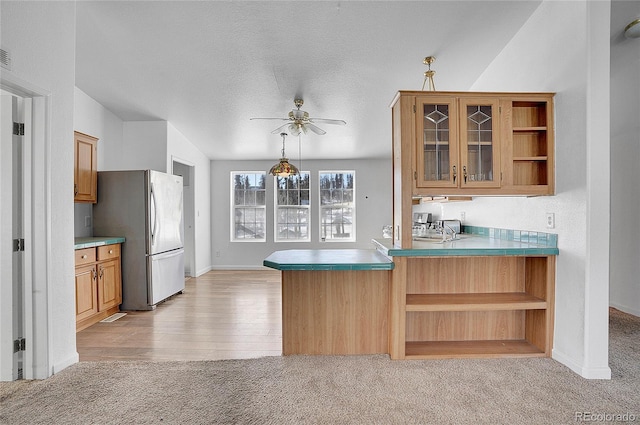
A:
[208,66]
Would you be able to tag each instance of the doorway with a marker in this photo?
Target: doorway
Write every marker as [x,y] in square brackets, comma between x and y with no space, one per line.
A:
[187,171]
[14,130]
[25,219]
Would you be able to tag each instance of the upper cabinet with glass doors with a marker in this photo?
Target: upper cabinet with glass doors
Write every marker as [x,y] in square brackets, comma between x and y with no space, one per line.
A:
[465,143]
[460,142]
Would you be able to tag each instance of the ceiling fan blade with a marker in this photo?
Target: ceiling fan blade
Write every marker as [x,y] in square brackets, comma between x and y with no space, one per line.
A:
[327,121]
[279,129]
[279,119]
[316,129]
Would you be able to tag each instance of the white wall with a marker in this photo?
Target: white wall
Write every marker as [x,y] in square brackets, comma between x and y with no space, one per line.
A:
[563,48]
[373,209]
[41,38]
[144,147]
[625,157]
[182,150]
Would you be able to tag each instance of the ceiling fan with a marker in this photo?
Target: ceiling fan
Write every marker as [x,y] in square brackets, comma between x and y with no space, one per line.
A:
[299,121]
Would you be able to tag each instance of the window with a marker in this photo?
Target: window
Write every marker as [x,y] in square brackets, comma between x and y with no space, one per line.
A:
[248,207]
[337,206]
[292,208]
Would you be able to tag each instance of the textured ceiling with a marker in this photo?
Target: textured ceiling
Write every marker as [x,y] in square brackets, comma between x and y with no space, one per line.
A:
[208,66]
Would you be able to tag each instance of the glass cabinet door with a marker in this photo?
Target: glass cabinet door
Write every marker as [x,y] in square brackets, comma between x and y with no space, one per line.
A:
[437,142]
[479,148]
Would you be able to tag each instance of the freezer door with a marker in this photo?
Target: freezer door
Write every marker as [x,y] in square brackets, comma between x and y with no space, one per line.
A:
[165,215]
[165,275]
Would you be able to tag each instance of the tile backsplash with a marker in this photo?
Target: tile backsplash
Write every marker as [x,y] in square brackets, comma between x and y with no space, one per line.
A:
[540,238]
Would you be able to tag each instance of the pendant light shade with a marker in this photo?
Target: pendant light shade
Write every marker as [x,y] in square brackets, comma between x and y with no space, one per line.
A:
[633,29]
[283,168]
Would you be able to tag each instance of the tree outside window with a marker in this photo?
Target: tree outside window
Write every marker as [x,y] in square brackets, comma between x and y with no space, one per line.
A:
[292,207]
[337,206]
[248,206]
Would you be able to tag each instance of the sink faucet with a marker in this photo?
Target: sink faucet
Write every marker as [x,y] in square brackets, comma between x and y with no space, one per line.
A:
[448,234]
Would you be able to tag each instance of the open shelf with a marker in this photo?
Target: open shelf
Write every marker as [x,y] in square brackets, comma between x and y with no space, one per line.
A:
[467,349]
[530,172]
[474,302]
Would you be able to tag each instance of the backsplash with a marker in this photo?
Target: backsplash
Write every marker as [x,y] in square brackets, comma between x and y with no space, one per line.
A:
[540,238]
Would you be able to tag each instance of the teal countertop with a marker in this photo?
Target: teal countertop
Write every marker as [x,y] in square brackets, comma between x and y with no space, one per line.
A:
[81,243]
[468,245]
[328,259]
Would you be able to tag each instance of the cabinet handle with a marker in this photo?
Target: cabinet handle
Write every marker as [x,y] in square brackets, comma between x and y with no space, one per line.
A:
[84,257]
[101,272]
[455,174]
[95,275]
[111,251]
[464,173]
[75,189]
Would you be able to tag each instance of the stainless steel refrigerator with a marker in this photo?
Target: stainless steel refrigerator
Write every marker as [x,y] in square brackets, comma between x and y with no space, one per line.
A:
[145,207]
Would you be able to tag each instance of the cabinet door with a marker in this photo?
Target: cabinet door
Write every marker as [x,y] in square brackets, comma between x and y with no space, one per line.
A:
[86,294]
[109,286]
[479,142]
[85,176]
[436,142]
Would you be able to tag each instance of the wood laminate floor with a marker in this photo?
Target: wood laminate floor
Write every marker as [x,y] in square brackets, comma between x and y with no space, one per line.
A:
[220,315]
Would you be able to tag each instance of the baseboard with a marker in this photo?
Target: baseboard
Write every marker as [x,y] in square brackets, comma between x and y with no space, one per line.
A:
[202,271]
[71,360]
[625,309]
[585,372]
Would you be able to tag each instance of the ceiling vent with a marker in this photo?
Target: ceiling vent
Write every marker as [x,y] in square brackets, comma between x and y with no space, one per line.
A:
[5,59]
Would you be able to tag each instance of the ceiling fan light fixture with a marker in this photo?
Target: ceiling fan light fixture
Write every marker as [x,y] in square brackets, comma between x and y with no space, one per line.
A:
[284,168]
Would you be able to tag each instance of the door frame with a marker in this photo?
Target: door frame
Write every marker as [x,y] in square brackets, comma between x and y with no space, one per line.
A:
[37,228]
[188,209]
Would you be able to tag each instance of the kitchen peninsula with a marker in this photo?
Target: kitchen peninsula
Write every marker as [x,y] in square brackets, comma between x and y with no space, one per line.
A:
[487,294]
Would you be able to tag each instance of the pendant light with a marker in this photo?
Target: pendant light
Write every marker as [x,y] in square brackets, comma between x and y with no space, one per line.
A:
[633,29]
[283,168]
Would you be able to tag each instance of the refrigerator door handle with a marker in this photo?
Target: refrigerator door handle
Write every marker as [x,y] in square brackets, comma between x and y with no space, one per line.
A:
[155,216]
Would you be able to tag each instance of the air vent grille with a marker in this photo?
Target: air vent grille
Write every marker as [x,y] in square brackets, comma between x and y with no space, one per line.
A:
[5,59]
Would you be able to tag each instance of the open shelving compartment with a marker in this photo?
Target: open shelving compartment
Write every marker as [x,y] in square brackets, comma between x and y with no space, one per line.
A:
[532,158]
[479,307]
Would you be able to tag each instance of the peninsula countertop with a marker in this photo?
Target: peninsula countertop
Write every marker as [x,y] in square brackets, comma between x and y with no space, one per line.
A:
[328,259]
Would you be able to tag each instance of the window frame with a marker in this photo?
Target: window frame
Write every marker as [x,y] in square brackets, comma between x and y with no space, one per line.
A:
[276,208]
[352,237]
[233,207]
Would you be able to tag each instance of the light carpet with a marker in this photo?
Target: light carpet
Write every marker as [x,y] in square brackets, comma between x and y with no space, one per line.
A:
[334,390]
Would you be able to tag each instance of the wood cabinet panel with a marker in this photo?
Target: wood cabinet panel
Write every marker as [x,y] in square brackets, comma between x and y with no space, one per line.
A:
[86,292]
[109,285]
[85,177]
[335,312]
[85,256]
[108,252]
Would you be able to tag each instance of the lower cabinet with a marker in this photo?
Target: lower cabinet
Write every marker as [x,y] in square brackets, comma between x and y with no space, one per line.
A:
[98,282]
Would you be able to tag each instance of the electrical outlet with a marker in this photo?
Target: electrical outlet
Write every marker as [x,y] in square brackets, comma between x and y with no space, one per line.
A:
[217,253]
[87,221]
[463,216]
[551,221]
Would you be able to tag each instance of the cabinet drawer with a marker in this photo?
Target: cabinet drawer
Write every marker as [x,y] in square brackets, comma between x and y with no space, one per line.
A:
[85,256]
[107,252]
